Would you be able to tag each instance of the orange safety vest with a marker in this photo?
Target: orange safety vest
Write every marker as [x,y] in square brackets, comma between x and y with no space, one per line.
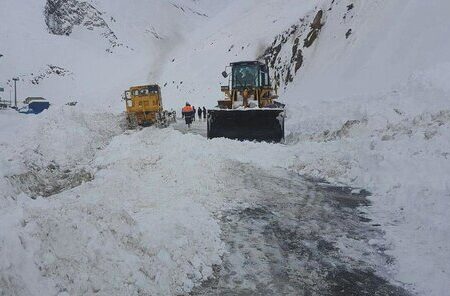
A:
[187,109]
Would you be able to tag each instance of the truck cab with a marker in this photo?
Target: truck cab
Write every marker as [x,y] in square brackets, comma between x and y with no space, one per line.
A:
[143,103]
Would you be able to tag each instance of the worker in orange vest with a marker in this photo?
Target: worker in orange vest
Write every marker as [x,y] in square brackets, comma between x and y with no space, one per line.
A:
[188,114]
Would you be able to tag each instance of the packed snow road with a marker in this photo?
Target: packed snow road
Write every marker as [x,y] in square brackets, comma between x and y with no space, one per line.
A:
[293,236]
[197,127]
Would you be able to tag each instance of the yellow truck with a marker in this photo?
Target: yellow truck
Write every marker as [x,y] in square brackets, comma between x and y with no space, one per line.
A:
[144,107]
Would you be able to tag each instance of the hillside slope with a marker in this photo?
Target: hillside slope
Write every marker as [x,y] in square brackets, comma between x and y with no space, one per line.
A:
[91,51]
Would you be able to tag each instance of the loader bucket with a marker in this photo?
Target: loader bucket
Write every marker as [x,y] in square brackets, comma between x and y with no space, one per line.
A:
[247,124]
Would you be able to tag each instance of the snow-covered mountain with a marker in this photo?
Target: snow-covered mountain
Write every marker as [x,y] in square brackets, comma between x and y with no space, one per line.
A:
[368,104]
[102,47]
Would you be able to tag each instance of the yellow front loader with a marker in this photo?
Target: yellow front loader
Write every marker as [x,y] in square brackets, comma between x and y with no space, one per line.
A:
[249,110]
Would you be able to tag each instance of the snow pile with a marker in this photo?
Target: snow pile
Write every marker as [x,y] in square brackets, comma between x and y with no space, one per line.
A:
[61,136]
[404,163]
[121,232]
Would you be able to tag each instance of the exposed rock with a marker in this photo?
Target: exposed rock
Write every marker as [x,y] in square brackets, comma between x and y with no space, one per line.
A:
[154,33]
[51,70]
[285,55]
[317,22]
[297,55]
[316,26]
[188,9]
[349,32]
[61,16]
[309,40]
[284,65]
[349,13]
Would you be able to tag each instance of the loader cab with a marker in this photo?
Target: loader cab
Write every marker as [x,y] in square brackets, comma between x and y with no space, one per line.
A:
[249,75]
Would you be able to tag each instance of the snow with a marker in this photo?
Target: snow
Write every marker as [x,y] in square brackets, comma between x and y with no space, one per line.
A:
[388,76]
[95,77]
[371,111]
[120,233]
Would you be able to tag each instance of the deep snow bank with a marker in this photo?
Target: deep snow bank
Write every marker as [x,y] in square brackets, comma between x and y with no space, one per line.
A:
[143,224]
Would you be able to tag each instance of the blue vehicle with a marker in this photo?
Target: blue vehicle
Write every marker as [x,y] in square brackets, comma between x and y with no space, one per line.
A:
[34,105]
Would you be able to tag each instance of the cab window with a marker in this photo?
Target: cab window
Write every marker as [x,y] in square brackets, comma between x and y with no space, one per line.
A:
[245,76]
[265,80]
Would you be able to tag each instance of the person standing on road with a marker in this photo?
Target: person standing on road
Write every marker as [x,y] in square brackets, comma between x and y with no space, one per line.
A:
[204,113]
[188,114]
[193,108]
[199,112]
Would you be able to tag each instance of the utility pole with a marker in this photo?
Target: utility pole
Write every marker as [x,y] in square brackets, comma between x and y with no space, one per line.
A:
[1,88]
[15,91]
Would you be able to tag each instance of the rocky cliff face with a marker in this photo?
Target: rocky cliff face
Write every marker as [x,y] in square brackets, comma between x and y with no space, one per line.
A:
[293,47]
[61,16]
[285,56]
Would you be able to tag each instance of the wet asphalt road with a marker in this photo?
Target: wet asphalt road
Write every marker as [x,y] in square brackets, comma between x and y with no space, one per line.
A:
[294,236]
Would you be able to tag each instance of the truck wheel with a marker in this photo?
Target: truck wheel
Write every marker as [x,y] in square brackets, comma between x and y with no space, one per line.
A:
[132,121]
